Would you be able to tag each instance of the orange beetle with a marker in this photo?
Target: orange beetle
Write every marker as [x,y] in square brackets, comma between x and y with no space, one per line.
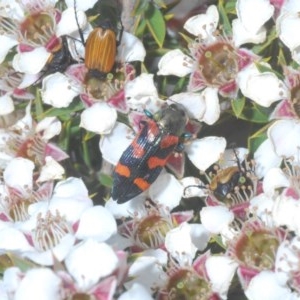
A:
[100,51]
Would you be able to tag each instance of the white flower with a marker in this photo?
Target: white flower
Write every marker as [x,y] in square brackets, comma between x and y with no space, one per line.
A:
[285,137]
[43,283]
[82,260]
[52,170]
[220,280]
[263,88]
[136,292]
[183,241]
[265,285]
[59,90]
[253,14]
[99,118]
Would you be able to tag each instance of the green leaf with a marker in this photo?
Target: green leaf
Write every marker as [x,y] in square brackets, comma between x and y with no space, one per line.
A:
[255,140]
[224,19]
[156,24]
[106,180]
[256,114]
[238,106]
[64,113]
[38,105]
[9,260]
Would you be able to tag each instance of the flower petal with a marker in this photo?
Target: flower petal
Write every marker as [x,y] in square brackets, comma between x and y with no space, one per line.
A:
[254,13]
[96,222]
[130,48]
[84,257]
[99,118]
[31,62]
[285,137]
[175,62]
[204,152]
[203,25]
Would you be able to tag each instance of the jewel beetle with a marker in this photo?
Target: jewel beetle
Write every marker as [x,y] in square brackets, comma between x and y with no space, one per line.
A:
[144,159]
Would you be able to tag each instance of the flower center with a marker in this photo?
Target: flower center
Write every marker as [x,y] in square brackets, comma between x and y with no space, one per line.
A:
[105,86]
[152,230]
[37,29]
[50,230]
[18,206]
[187,284]
[257,249]
[219,64]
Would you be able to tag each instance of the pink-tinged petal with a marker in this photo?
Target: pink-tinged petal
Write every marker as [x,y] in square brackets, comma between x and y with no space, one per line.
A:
[52,170]
[175,62]
[283,110]
[166,190]
[105,290]
[6,43]
[245,275]
[184,216]
[220,280]
[265,158]
[43,283]
[31,62]
[18,173]
[242,36]
[216,218]
[96,222]
[59,90]
[118,101]
[99,118]
[203,25]
[266,285]
[285,137]
[48,127]
[204,152]
[67,24]
[55,152]
[176,163]
[254,13]
[82,260]
[136,292]
[130,49]
[113,145]
[6,104]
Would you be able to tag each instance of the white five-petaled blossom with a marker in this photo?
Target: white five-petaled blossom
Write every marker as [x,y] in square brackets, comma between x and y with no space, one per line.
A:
[287,25]
[249,26]
[212,65]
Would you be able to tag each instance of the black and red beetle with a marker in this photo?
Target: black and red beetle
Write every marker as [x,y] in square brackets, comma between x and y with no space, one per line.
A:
[142,162]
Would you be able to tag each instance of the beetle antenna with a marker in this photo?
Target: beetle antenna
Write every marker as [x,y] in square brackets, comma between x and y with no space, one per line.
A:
[194,185]
[77,22]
